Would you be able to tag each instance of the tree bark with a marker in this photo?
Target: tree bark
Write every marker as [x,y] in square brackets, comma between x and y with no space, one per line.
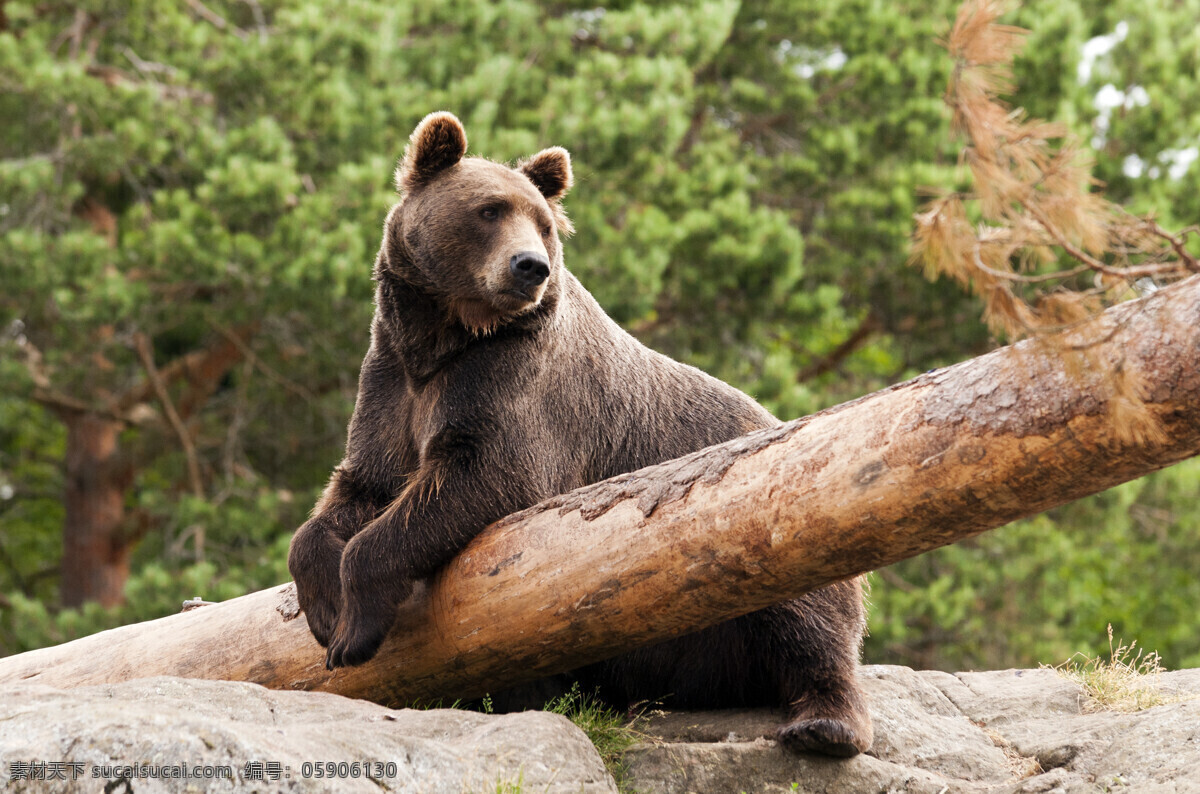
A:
[691,542]
[95,561]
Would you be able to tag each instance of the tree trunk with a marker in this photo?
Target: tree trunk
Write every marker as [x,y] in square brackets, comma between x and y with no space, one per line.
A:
[97,542]
[694,541]
[95,561]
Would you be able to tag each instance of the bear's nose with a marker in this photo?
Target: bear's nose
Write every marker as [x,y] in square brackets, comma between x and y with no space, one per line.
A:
[529,268]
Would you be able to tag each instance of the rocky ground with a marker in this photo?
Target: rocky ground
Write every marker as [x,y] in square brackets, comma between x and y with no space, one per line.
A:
[160,723]
[1010,731]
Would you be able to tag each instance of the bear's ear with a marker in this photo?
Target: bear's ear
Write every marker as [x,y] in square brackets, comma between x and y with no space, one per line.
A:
[550,172]
[437,143]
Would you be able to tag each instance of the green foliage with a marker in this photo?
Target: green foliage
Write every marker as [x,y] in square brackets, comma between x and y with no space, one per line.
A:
[31,446]
[1159,54]
[746,175]
[246,551]
[1042,589]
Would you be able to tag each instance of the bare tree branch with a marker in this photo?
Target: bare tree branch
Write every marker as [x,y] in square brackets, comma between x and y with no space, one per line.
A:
[260,20]
[288,384]
[1129,273]
[202,369]
[1177,243]
[145,353]
[835,357]
[216,19]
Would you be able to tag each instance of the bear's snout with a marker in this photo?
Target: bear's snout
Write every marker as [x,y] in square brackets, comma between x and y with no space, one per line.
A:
[529,269]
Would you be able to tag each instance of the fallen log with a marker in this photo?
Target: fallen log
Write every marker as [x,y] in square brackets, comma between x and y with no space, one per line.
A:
[730,529]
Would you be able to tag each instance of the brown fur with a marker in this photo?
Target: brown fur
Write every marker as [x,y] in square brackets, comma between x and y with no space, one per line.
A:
[482,394]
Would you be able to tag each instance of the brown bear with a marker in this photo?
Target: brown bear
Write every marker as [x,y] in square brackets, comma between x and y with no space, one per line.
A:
[493,381]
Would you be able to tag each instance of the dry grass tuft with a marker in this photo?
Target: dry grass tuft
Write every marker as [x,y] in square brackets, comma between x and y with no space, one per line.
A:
[1022,766]
[1125,682]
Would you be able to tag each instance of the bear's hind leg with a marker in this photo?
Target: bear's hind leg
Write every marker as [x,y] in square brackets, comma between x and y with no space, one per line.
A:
[813,657]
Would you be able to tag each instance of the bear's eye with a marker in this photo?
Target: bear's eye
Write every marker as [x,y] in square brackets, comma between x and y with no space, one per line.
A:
[546,230]
[489,213]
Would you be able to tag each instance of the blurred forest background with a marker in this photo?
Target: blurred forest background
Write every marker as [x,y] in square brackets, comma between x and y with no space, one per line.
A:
[192,193]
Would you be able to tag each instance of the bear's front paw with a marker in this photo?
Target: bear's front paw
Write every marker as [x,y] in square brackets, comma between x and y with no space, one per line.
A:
[314,560]
[357,639]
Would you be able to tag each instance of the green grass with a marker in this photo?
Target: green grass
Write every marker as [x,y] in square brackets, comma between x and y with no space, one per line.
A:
[610,731]
[511,786]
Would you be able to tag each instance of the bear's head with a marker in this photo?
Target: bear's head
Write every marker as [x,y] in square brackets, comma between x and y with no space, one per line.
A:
[479,237]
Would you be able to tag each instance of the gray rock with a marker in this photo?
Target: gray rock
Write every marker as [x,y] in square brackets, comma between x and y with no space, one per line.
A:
[989,698]
[166,722]
[761,766]
[1007,732]
[1153,750]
